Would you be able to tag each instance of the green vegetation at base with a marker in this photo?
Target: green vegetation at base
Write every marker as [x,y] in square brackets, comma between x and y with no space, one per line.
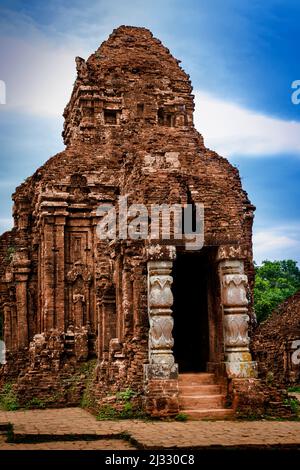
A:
[124,407]
[181,417]
[294,404]
[107,412]
[88,400]
[295,389]
[8,398]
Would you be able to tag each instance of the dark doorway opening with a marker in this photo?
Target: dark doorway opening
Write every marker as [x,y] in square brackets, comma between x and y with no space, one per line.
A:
[190,309]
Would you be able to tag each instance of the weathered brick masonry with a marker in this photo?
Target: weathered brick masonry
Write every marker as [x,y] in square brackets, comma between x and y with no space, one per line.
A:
[276,344]
[68,297]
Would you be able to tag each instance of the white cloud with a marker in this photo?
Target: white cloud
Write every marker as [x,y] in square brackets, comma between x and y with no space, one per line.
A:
[278,242]
[38,60]
[38,78]
[39,72]
[6,223]
[232,130]
[40,82]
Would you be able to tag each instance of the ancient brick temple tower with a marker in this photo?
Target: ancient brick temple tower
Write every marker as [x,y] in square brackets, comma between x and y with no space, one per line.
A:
[68,296]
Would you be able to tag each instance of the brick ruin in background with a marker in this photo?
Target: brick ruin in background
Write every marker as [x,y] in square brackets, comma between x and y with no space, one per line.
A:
[68,297]
[276,344]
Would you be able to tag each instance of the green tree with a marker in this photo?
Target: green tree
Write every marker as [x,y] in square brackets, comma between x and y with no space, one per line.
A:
[274,282]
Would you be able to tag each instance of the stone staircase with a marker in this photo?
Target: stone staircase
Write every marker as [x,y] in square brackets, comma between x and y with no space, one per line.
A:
[200,397]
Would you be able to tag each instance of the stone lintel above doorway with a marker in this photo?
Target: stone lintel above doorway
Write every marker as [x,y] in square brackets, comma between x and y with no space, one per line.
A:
[160,252]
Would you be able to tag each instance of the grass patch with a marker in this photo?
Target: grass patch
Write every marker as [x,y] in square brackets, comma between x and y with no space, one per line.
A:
[107,412]
[87,399]
[295,389]
[36,403]
[8,398]
[124,407]
[88,367]
[128,411]
[294,405]
[181,417]
[125,395]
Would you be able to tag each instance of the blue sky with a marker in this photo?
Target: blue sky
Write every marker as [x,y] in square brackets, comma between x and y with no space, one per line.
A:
[242,57]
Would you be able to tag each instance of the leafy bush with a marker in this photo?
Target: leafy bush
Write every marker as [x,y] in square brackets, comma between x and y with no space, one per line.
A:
[87,399]
[126,395]
[295,389]
[36,403]
[126,410]
[8,398]
[107,412]
[181,417]
[275,281]
[294,405]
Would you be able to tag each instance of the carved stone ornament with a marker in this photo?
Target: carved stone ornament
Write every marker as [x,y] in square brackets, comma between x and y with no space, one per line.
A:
[234,289]
[227,252]
[236,330]
[79,270]
[234,285]
[161,332]
[160,301]
[160,291]
[78,298]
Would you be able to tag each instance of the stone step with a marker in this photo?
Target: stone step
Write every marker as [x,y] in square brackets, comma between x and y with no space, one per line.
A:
[220,413]
[199,402]
[199,389]
[202,378]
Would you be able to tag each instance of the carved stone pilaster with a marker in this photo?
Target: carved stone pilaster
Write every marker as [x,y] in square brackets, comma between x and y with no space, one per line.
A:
[59,271]
[21,268]
[234,285]
[79,279]
[160,301]
[137,279]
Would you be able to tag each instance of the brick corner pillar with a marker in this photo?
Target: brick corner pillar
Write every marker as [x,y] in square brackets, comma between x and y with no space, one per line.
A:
[52,265]
[60,215]
[161,373]
[21,267]
[234,284]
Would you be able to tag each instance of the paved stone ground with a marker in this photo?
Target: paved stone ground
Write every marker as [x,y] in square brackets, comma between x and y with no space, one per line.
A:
[102,444]
[75,423]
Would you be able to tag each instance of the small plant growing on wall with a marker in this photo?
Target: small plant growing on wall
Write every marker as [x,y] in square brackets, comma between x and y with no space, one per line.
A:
[181,417]
[294,404]
[126,395]
[124,408]
[8,398]
[10,253]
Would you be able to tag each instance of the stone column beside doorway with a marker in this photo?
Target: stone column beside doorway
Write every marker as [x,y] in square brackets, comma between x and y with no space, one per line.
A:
[161,373]
[234,283]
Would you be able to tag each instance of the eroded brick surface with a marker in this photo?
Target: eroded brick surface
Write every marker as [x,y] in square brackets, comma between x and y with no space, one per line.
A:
[69,297]
[276,344]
